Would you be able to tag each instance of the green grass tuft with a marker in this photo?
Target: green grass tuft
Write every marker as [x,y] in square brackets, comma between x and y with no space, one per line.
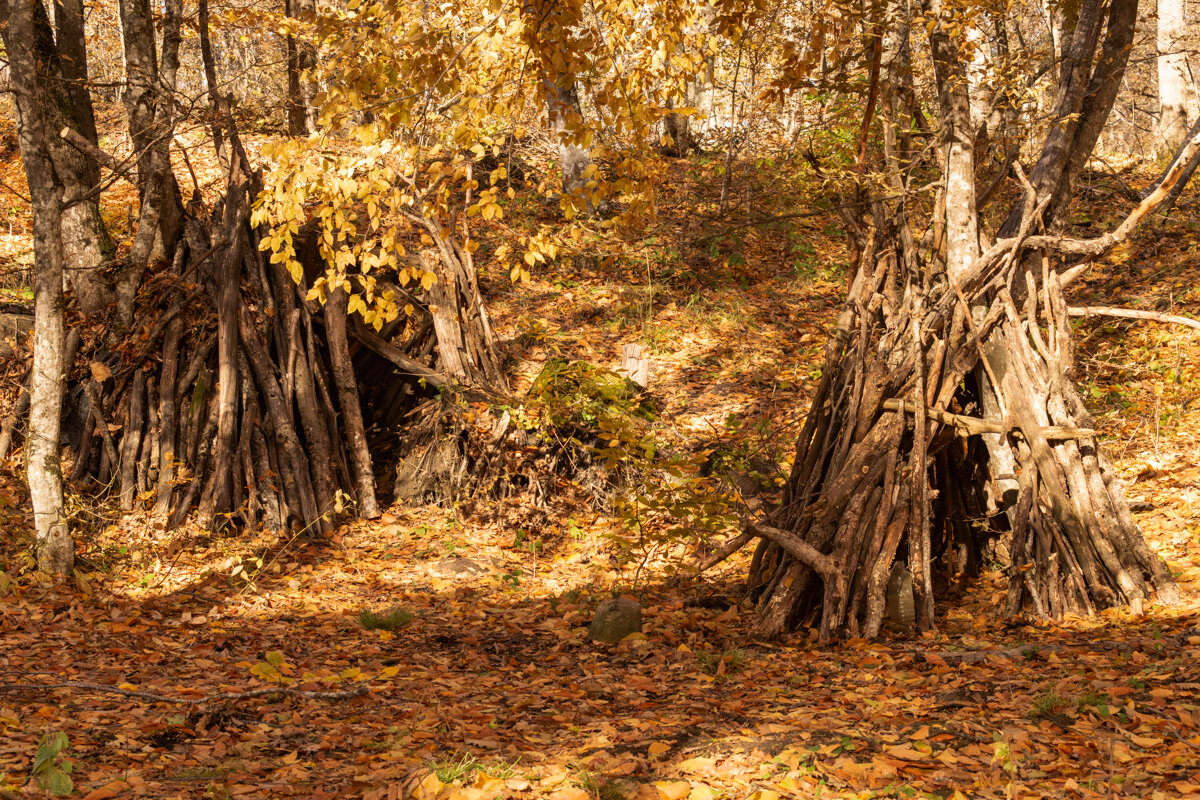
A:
[733,658]
[391,620]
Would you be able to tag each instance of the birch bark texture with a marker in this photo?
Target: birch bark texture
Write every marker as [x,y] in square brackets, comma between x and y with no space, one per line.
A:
[1174,78]
[55,548]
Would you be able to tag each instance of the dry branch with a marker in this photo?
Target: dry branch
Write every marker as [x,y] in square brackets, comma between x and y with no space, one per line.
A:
[973,426]
[358,690]
[1132,313]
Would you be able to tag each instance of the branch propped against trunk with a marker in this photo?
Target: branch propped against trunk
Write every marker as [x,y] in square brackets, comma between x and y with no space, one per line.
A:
[1094,248]
[795,546]
[385,349]
[973,426]
[728,549]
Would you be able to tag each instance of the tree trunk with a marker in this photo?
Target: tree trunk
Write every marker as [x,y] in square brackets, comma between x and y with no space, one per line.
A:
[678,128]
[961,225]
[301,57]
[347,390]
[86,242]
[148,104]
[562,103]
[1174,78]
[55,548]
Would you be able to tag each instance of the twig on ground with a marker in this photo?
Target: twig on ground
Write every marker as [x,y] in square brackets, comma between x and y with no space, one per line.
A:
[357,690]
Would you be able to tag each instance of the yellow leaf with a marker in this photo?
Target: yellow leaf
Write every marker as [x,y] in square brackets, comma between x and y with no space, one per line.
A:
[570,793]
[658,748]
[554,778]
[100,372]
[488,784]
[674,790]
[905,753]
[465,793]
[429,787]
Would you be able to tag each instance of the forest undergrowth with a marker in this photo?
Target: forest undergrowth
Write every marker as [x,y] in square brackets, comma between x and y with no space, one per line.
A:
[442,655]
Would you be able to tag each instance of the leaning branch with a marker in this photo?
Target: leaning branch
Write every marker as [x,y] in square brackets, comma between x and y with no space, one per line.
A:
[1093,248]
[973,426]
[389,351]
[730,547]
[106,160]
[795,546]
[1132,313]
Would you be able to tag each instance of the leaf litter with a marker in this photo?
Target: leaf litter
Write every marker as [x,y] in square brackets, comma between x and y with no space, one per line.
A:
[480,682]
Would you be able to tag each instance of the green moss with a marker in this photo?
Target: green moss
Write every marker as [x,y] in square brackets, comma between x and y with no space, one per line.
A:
[585,395]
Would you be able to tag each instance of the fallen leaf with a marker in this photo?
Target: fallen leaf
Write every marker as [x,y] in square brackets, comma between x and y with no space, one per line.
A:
[673,790]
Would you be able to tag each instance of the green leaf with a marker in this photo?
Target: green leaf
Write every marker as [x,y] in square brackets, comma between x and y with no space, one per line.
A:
[55,781]
[52,744]
[264,671]
[50,776]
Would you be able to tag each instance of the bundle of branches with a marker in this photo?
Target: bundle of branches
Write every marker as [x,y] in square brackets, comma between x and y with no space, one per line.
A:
[944,418]
[239,396]
[576,426]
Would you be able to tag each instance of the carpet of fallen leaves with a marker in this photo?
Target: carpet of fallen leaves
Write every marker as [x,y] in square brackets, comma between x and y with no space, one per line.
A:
[152,663]
[492,689]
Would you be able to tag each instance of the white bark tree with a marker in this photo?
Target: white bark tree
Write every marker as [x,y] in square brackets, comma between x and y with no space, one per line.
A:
[1174,81]
[55,548]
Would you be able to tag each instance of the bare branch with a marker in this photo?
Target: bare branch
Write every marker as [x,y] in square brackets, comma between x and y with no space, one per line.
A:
[796,547]
[973,426]
[729,548]
[357,690]
[1132,313]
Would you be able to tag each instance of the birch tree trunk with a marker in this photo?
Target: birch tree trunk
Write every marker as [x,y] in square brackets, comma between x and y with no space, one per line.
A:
[55,548]
[962,225]
[1173,77]
[562,103]
[551,35]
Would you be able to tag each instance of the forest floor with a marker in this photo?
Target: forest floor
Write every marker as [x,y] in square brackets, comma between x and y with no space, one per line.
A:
[487,686]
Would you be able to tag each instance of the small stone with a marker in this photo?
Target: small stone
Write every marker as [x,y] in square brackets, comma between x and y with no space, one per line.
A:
[454,567]
[615,619]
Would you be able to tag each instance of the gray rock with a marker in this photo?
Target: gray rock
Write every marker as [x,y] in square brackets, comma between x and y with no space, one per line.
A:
[615,619]
[455,567]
